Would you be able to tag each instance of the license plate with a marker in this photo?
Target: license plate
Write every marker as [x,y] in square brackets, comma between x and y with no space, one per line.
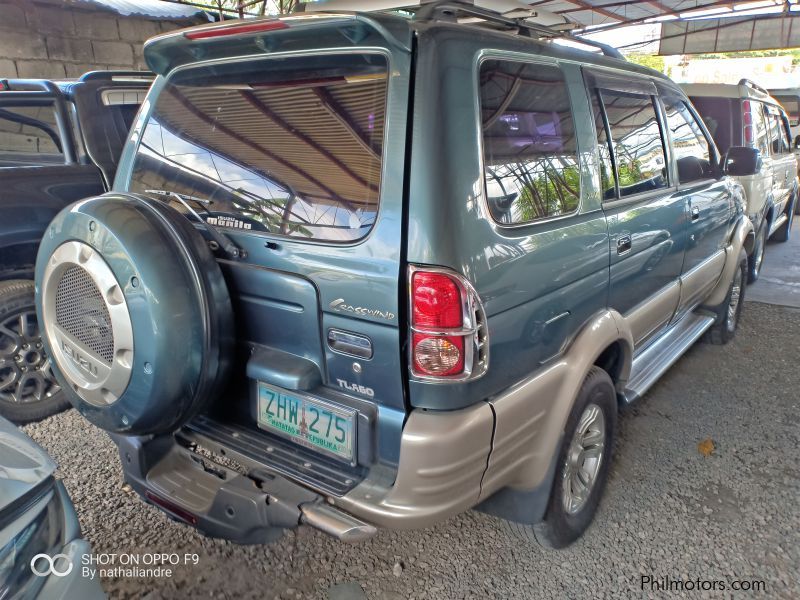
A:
[312,423]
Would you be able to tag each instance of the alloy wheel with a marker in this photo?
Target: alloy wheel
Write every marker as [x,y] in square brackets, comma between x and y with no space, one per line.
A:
[584,458]
[733,305]
[26,373]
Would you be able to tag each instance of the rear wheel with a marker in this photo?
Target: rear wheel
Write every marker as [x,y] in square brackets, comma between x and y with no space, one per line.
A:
[582,465]
[728,313]
[28,388]
[756,260]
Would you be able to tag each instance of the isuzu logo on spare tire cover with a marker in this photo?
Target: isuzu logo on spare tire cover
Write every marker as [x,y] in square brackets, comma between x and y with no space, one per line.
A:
[87,322]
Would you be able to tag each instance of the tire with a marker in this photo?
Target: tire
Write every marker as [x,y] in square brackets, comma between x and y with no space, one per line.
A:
[728,313]
[756,260]
[28,388]
[561,527]
[8,272]
[784,232]
[136,313]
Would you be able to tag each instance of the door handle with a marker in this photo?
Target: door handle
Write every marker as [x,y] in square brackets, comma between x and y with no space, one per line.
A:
[624,244]
[695,214]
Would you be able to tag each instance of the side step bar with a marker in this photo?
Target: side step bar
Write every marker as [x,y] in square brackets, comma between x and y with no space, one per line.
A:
[654,360]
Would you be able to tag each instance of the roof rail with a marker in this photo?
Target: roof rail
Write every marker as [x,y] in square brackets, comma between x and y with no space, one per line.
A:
[505,15]
[30,85]
[753,85]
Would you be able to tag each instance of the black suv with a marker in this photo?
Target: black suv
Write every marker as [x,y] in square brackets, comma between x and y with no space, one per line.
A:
[59,142]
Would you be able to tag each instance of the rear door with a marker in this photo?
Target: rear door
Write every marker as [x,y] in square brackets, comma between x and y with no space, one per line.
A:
[300,161]
[783,162]
[646,213]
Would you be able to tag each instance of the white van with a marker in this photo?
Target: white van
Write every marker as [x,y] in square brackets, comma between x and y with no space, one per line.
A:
[746,115]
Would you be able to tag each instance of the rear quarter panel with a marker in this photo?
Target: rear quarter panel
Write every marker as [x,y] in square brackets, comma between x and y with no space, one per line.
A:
[539,282]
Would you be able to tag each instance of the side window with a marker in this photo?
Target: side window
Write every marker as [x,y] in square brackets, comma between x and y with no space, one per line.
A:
[530,153]
[792,106]
[786,133]
[775,137]
[689,144]
[759,138]
[778,121]
[636,141]
[29,136]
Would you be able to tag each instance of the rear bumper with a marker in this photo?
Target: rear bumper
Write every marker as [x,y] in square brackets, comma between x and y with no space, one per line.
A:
[444,458]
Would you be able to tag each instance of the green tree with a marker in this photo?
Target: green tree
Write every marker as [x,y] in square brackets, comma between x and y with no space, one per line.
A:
[652,61]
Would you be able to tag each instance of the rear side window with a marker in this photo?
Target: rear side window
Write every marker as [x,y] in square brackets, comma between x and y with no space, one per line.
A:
[689,144]
[530,154]
[636,142]
[779,142]
[792,106]
[29,136]
[756,132]
[291,147]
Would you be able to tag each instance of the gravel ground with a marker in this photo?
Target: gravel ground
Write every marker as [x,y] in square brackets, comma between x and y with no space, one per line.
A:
[669,511]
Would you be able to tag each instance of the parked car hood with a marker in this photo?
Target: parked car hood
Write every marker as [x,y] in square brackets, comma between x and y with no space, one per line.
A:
[23,464]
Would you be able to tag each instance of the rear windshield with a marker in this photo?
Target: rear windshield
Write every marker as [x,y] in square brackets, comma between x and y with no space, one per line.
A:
[721,120]
[285,146]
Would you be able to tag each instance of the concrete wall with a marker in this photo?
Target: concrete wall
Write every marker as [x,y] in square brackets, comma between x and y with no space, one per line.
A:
[61,38]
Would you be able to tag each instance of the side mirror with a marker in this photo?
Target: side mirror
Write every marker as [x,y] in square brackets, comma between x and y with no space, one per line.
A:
[797,142]
[740,160]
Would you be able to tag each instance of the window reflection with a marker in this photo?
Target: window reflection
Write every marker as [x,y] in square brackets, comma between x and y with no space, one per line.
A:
[637,143]
[294,150]
[689,145]
[529,142]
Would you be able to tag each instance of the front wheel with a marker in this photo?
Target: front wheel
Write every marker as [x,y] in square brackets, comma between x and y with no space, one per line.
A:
[583,463]
[28,388]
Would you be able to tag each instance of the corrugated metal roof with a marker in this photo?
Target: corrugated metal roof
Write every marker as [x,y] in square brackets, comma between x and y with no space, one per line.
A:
[609,12]
[730,35]
[155,9]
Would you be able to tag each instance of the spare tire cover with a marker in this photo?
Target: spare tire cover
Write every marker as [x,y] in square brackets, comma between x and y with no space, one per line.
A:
[135,313]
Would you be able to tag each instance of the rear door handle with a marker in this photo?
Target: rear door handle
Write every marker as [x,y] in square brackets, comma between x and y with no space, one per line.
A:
[624,244]
[695,214]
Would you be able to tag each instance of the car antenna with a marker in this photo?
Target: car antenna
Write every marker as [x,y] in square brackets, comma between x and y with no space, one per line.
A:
[222,240]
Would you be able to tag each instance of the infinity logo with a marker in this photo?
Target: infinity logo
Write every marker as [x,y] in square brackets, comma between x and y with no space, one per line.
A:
[51,565]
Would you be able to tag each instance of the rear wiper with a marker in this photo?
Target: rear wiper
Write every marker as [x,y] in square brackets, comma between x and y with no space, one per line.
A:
[222,240]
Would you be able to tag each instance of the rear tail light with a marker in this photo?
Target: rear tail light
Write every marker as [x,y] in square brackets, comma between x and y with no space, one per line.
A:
[171,507]
[226,30]
[448,327]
